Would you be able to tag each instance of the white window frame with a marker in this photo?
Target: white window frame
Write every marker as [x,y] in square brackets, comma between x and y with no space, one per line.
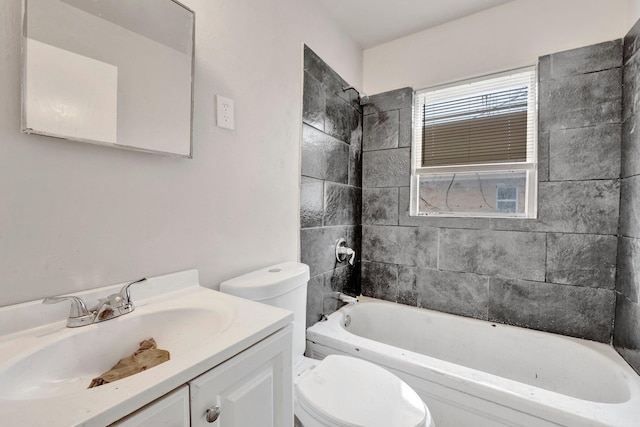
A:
[530,166]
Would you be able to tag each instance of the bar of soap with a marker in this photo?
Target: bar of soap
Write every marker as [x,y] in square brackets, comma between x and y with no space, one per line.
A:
[146,356]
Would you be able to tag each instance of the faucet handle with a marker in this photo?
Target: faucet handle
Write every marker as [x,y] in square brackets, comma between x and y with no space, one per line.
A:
[78,315]
[125,294]
[342,252]
[78,307]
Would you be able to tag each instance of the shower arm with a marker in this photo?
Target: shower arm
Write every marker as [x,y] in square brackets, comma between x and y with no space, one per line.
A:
[363,98]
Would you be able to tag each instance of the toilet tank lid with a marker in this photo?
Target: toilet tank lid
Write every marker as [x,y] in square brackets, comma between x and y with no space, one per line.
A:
[268,282]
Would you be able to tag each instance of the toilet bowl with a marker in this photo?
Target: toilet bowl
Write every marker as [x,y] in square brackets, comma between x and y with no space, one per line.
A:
[339,391]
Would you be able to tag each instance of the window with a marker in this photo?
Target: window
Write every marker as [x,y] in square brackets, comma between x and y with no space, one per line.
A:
[474,148]
[506,199]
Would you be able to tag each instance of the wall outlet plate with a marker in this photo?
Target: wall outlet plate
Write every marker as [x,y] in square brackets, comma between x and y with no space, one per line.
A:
[225,113]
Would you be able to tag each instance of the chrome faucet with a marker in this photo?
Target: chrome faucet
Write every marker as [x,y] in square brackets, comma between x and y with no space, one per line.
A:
[110,307]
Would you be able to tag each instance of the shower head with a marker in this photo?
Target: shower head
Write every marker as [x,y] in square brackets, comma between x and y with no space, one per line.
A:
[363,98]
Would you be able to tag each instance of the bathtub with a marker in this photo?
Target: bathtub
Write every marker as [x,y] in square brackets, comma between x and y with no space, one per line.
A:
[473,373]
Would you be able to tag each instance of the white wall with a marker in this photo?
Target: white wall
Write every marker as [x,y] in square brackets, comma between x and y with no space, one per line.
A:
[75,216]
[509,36]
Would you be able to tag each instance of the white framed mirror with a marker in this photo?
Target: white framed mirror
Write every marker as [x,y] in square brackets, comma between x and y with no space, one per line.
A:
[109,72]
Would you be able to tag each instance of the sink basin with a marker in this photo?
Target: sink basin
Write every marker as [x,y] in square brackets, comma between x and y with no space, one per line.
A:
[68,359]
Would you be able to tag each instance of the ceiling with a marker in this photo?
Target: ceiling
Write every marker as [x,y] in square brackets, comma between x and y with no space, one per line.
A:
[373,22]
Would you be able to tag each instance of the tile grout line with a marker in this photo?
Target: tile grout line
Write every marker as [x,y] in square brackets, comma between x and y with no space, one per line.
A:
[438,250]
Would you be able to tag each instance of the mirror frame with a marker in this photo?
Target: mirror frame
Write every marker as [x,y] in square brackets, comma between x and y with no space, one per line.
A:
[23,84]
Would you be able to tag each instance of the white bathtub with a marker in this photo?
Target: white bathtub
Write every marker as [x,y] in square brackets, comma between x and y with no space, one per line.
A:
[473,373]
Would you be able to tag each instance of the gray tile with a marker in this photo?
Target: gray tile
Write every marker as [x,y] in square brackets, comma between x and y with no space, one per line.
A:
[580,101]
[341,121]
[336,84]
[588,59]
[313,65]
[464,294]
[380,206]
[563,309]
[386,168]
[391,100]
[313,102]
[626,337]
[355,101]
[380,131]
[324,157]
[322,72]
[631,85]
[320,289]
[631,356]
[631,146]
[341,278]
[543,156]
[380,280]
[315,294]
[355,162]
[585,153]
[317,246]
[578,207]
[571,207]
[406,127]
[341,204]
[430,221]
[516,224]
[628,276]
[582,260]
[355,242]
[487,252]
[544,68]
[412,246]
[407,291]
[352,284]
[631,42]
[629,207]
[311,202]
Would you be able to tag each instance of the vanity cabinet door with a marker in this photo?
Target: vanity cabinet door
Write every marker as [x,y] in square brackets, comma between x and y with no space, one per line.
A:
[252,389]
[171,410]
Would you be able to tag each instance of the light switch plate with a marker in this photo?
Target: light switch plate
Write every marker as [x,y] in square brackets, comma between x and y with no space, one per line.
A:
[225,112]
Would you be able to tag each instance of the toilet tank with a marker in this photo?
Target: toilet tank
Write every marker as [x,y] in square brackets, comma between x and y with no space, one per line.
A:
[282,285]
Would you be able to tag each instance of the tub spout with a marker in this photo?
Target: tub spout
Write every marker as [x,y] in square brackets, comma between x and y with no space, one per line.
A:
[348,299]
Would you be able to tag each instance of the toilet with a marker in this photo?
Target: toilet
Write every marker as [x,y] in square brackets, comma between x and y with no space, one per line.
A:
[339,391]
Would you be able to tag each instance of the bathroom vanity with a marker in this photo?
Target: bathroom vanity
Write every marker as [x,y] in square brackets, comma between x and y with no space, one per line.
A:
[230,361]
[247,388]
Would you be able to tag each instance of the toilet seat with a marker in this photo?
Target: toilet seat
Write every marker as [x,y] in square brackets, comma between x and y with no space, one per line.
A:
[348,392]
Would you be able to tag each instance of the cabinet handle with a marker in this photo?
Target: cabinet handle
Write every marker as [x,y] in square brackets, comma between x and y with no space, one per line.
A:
[212,414]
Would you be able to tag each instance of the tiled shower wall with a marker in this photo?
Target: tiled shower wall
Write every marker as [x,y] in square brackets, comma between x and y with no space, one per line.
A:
[331,184]
[627,324]
[555,273]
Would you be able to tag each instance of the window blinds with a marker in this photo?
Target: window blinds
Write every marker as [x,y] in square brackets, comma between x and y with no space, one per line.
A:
[482,122]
